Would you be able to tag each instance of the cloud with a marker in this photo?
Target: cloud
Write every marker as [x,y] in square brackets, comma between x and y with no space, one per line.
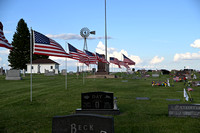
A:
[0,59]
[71,36]
[4,52]
[196,44]
[7,32]
[187,56]
[156,60]
[112,52]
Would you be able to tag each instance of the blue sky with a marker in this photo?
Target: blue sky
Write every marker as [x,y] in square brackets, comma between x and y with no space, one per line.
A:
[154,33]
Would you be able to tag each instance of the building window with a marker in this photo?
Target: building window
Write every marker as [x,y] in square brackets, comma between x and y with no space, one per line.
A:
[32,67]
[51,67]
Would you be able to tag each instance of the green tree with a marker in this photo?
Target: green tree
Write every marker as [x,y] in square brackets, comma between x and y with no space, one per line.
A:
[20,54]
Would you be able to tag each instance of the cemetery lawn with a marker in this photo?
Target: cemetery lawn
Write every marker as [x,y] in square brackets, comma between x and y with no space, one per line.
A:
[51,98]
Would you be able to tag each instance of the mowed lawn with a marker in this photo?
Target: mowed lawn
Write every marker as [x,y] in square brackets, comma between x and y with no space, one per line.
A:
[51,98]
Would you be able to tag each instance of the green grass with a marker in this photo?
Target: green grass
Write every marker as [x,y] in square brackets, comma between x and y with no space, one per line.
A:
[50,98]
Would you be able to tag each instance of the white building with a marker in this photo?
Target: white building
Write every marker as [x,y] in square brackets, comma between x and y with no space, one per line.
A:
[40,65]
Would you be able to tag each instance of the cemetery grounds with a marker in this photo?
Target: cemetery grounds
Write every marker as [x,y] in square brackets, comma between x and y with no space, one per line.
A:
[51,98]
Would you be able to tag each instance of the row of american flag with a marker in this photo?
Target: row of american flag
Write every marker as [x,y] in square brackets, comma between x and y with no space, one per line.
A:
[46,46]
[43,45]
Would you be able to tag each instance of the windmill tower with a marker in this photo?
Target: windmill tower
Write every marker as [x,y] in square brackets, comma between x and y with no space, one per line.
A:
[85,32]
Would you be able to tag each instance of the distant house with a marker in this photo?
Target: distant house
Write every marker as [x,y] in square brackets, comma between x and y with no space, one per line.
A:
[40,65]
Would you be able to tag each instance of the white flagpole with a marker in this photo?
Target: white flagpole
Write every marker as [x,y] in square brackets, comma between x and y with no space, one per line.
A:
[83,74]
[31,44]
[66,67]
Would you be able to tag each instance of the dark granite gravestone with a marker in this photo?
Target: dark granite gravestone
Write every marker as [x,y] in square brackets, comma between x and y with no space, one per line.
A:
[97,100]
[98,103]
[2,72]
[101,68]
[83,123]
[184,110]
[13,75]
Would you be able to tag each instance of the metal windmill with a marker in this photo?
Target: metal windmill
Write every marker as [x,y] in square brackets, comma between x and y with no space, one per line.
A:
[85,32]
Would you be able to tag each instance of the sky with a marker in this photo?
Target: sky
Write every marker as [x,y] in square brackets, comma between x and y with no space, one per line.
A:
[156,34]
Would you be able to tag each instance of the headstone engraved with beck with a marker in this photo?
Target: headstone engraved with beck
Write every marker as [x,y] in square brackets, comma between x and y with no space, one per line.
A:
[83,123]
[13,75]
[184,110]
[98,103]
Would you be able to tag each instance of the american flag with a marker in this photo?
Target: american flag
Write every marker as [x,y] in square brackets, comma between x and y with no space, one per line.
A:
[78,54]
[115,61]
[101,59]
[124,64]
[92,57]
[3,41]
[129,61]
[46,46]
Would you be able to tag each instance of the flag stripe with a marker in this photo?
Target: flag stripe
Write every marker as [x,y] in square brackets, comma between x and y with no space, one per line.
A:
[3,41]
[46,46]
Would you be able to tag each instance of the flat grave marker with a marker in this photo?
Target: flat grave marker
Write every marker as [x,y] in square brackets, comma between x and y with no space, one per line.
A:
[142,98]
[173,99]
[124,81]
[83,123]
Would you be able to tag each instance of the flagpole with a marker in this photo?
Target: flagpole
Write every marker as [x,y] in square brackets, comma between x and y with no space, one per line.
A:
[66,67]
[31,43]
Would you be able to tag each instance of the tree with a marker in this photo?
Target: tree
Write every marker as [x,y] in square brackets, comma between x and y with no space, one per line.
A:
[20,54]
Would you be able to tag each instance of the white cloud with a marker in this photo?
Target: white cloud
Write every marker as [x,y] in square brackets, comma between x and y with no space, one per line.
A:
[68,36]
[71,36]
[0,59]
[112,52]
[156,60]
[5,52]
[187,56]
[196,44]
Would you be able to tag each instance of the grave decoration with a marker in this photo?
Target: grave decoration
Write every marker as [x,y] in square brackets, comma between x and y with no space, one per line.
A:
[98,103]
[195,83]
[160,83]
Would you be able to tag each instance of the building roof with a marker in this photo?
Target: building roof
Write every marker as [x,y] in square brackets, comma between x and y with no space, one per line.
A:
[43,61]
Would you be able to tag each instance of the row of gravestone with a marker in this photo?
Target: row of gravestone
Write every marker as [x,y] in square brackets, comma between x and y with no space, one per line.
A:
[93,103]
[180,110]
[87,119]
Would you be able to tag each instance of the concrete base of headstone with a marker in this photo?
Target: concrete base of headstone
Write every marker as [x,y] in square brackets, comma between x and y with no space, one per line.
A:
[100,111]
[184,110]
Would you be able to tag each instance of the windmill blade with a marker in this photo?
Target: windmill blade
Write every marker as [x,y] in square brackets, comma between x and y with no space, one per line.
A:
[93,32]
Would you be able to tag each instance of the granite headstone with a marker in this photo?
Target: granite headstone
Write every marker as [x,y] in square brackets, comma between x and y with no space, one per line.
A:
[184,110]
[83,123]
[13,75]
[97,100]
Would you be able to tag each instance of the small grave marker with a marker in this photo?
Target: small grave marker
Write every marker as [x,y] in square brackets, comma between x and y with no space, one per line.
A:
[173,100]
[142,98]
